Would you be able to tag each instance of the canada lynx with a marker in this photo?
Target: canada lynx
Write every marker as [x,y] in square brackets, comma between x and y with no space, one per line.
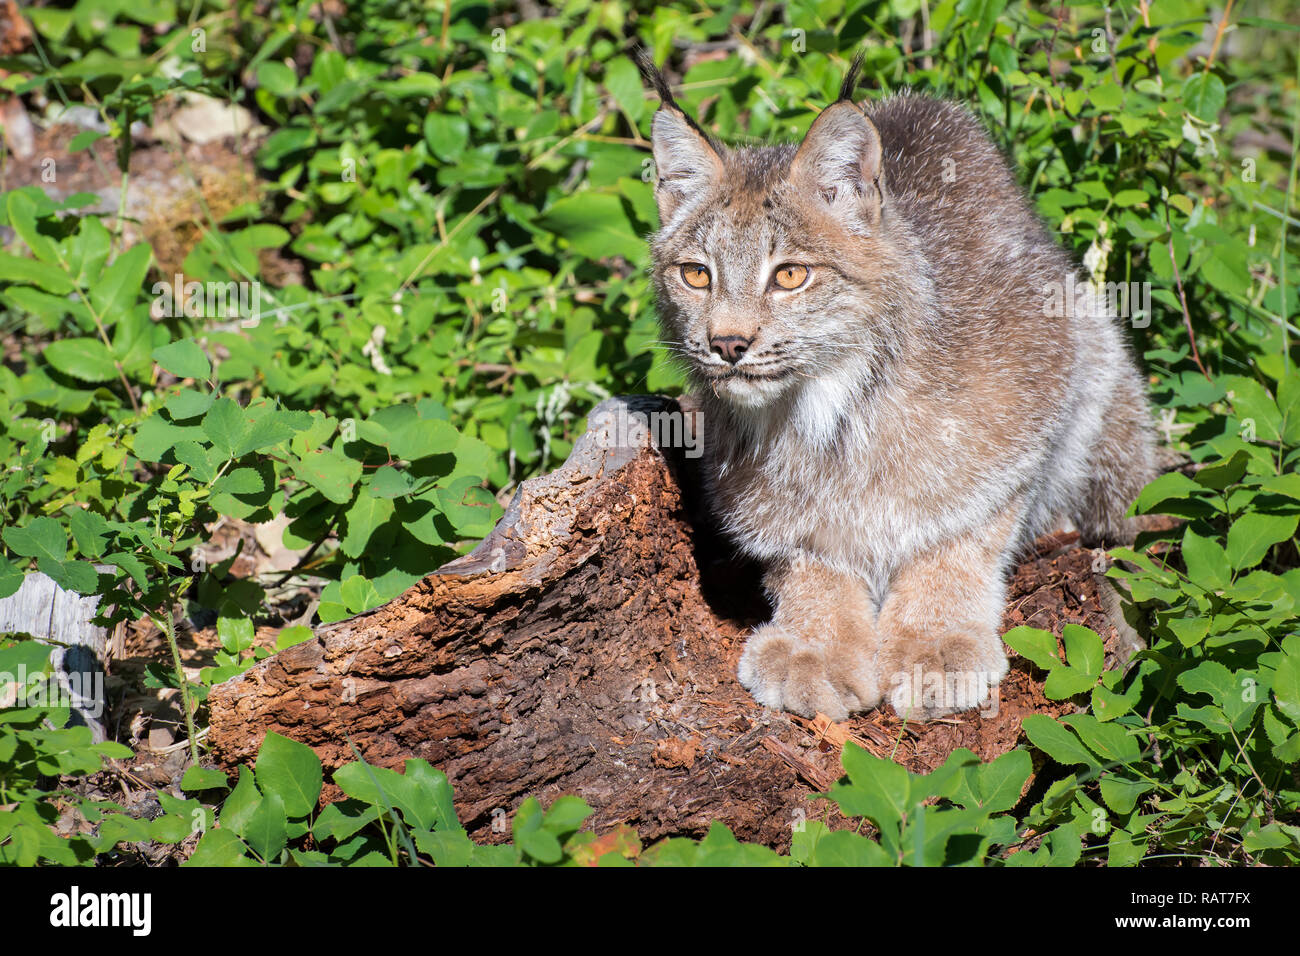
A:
[891,409]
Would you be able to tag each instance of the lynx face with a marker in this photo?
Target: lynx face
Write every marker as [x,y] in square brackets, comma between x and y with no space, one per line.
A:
[772,264]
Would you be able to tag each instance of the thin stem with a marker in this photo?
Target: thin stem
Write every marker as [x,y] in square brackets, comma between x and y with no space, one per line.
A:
[186,700]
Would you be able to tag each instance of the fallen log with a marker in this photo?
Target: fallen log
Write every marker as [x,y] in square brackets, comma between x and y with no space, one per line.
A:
[589,646]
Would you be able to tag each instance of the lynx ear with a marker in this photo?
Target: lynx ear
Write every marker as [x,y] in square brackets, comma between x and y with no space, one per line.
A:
[685,161]
[839,161]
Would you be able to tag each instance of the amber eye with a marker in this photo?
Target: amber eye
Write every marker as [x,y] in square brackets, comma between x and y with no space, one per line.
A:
[790,276]
[695,275]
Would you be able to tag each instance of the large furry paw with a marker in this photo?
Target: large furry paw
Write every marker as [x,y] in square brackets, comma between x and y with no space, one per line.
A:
[786,673]
[927,677]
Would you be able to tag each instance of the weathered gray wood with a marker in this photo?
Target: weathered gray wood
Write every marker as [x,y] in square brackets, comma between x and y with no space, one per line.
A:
[56,616]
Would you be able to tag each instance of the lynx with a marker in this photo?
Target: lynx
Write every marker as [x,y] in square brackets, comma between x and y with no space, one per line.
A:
[891,412]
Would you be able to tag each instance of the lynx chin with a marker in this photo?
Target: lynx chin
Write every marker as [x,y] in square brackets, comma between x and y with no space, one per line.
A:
[891,415]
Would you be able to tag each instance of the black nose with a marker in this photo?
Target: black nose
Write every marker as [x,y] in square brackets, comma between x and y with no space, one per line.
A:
[730,347]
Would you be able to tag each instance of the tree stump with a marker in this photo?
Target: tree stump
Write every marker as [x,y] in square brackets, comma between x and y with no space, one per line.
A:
[589,646]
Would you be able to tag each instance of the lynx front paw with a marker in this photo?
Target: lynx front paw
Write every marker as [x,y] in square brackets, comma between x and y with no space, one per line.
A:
[786,673]
[928,678]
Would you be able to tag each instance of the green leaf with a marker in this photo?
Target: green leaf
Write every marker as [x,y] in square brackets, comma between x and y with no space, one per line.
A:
[1221,474]
[291,771]
[220,848]
[330,472]
[239,481]
[1207,562]
[1171,486]
[1083,649]
[86,359]
[156,436]
[1064,682]
[84,139]
[39,538]
[1286,680]
[203,778]
[1121,792]
[1035,644]
[11,577]
[1230,694]
[292,636]
[596,226]
[236,633]
[447,135]
[1189,631]
[880,790]
[276,78]
[242,802]
[361,521]
[566,815]
[1205,96]
[71,575]
[120,285]
[996,786]
[184,359]
[267,829]
[408,435]
[1251,536]
[1056,741]
[1110,741]
[188,403]
[22,269]
[21,209]
[224,424]
[846,848]
[623,81]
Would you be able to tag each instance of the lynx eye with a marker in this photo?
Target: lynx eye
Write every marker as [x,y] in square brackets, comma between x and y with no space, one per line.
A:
[695,275]
[790,276]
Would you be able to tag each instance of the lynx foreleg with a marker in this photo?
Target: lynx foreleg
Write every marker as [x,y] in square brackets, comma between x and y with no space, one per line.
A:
[818,654]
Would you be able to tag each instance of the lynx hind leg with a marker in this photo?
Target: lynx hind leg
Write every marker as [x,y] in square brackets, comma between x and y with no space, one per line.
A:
[1120,463]
[818,653]
[941,649]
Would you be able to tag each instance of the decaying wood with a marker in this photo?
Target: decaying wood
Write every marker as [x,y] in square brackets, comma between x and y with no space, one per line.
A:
[589,646]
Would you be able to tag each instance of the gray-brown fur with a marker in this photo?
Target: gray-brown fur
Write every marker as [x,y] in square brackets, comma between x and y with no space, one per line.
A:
[899,425]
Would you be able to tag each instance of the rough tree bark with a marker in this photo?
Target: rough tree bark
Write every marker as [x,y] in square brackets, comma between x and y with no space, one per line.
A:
[589,646]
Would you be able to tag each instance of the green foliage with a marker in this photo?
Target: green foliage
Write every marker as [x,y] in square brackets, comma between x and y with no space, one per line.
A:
[466,206]
[39,744]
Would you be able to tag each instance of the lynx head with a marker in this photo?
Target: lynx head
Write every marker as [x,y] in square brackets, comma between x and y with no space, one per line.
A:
[772,264]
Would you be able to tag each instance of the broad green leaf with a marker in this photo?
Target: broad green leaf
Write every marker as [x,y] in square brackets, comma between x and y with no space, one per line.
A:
[1056,741]
[1207,562]
[1205,96]
[596,225]
[1034,643]
[184,359]
[86,359]
[291,771]
[267,829]
[203,778]
[1083,649]
[39,538]
[1253,534]
[120,286]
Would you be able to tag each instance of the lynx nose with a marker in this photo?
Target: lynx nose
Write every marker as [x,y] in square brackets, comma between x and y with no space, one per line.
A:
[730,347]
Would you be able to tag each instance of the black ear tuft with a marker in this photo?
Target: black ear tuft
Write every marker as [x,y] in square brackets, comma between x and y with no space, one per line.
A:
[851,77]
[654,78]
